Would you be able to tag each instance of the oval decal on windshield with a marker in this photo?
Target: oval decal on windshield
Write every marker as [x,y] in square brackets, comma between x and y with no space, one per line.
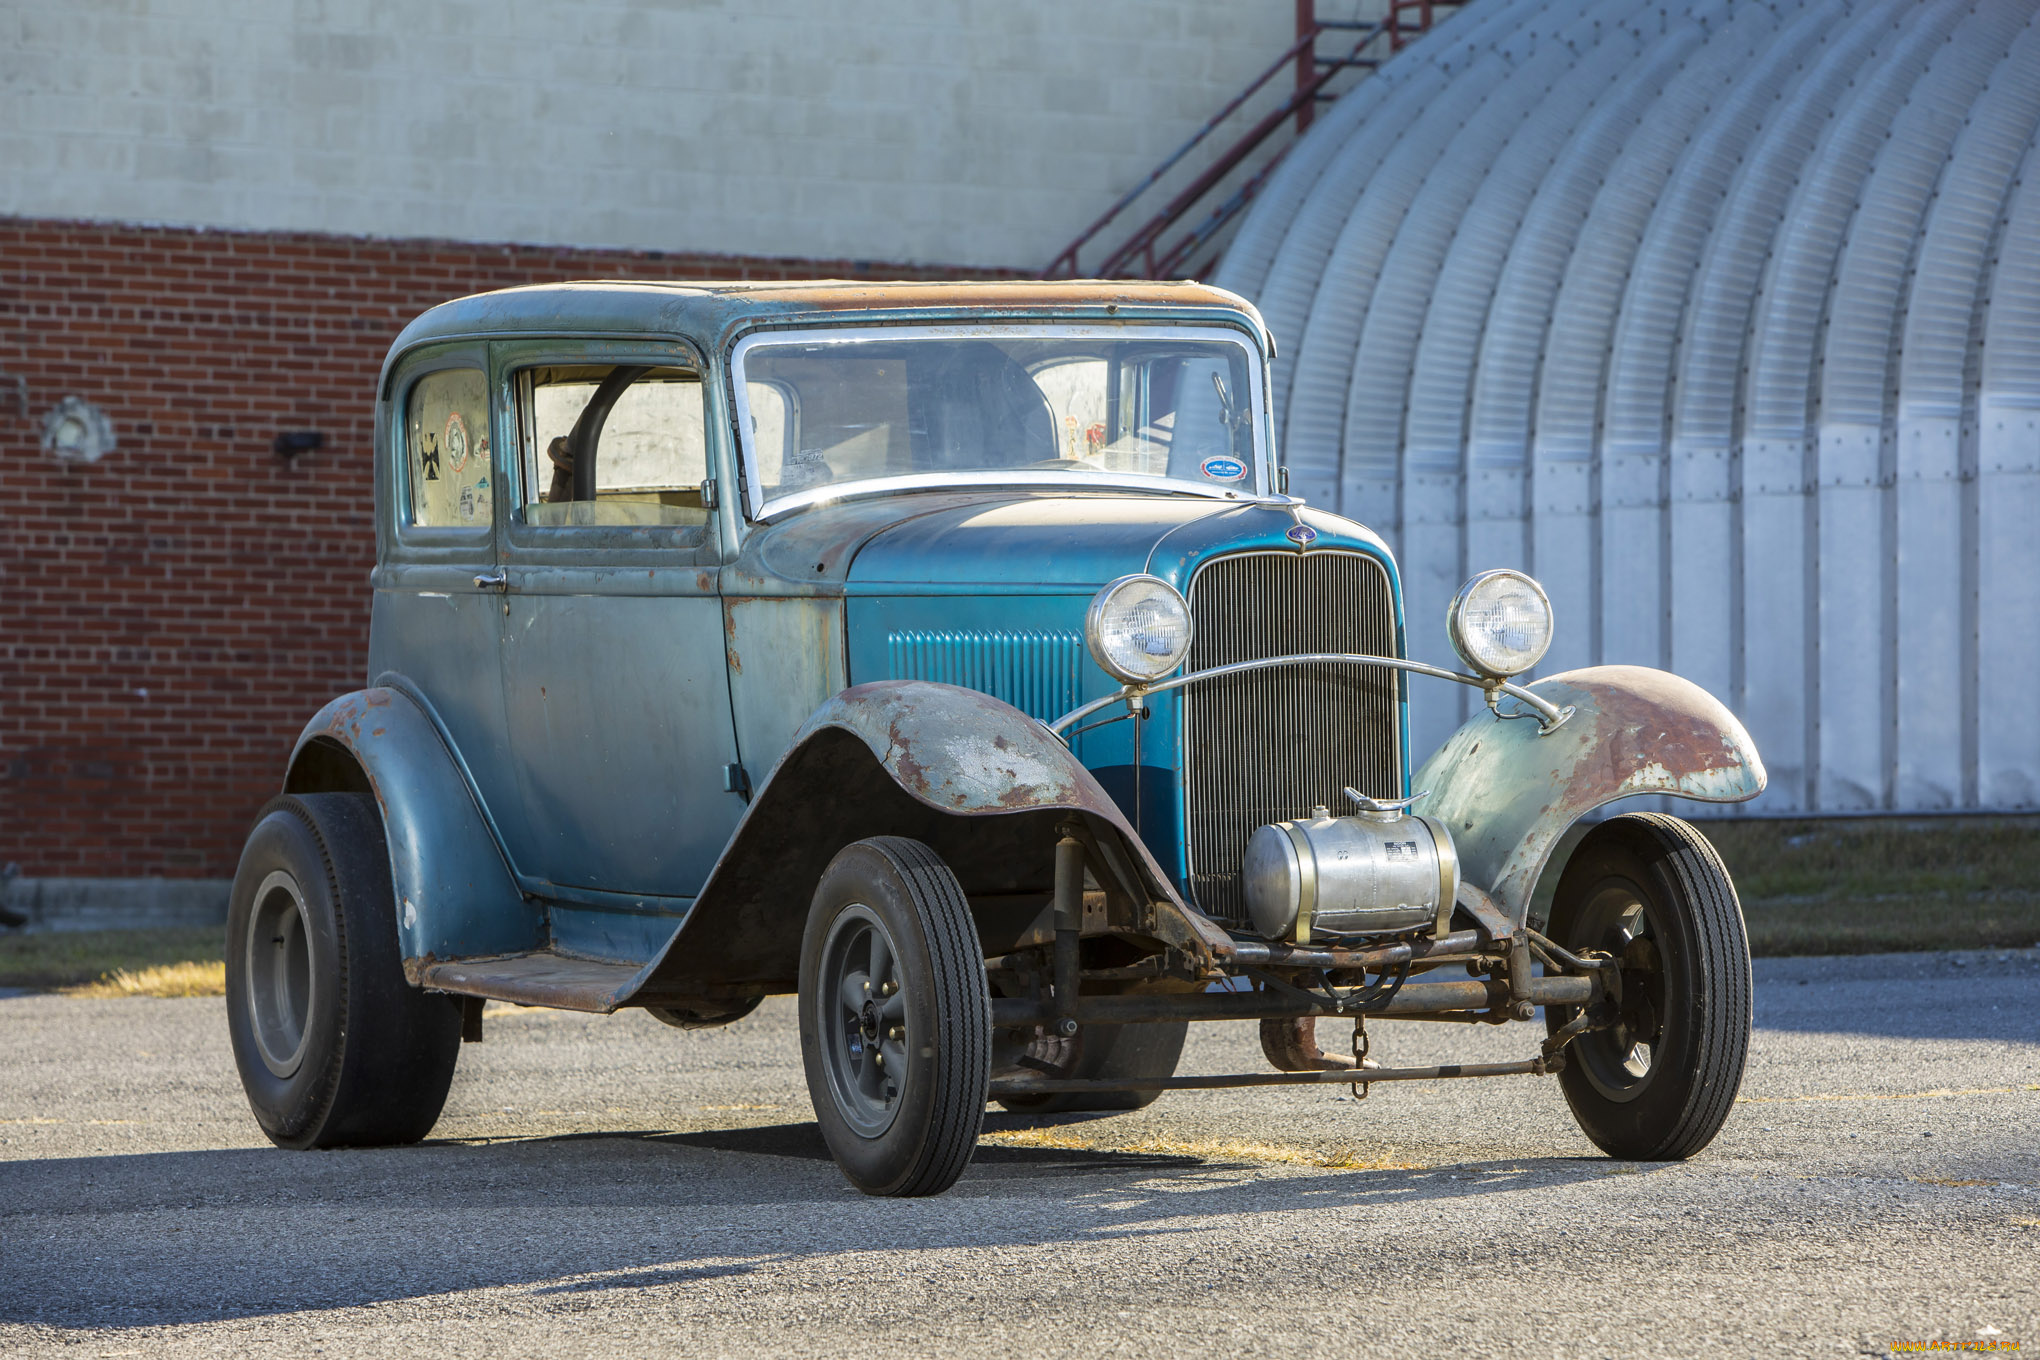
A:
[1223,469]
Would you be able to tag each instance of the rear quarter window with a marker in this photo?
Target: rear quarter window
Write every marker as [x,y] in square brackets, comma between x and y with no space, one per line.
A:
[446,444]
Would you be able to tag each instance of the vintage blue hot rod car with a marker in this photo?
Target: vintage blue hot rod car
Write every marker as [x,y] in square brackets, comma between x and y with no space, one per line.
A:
[951,656]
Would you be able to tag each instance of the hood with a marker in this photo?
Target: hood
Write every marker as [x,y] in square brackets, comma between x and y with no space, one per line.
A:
[1075,543]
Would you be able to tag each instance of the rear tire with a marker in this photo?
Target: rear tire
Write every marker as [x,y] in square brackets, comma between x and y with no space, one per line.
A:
[1658,1083]
[1095,1053]
[895,1018]
[334,1046]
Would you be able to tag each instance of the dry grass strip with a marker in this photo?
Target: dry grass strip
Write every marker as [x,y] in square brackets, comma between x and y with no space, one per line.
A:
[162,980]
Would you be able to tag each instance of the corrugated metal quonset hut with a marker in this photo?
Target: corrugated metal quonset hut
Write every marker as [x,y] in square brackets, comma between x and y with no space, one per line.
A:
[1722,319]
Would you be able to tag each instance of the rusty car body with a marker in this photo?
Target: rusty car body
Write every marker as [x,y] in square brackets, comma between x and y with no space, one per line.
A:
[811,695]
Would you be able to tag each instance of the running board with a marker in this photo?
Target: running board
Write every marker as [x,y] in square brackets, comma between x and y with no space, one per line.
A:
[1001,1090]
[540,978]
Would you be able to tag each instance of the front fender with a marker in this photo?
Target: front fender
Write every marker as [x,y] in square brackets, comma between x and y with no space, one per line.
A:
[1508,792]
[455,896]
[980,782]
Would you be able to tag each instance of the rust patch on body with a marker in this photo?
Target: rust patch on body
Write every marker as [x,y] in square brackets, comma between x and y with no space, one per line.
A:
[1509,791]
[899,756]
[965,752]
[831,295]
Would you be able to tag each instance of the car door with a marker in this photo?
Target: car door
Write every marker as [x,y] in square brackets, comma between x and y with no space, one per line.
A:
[614,679]
[437,618]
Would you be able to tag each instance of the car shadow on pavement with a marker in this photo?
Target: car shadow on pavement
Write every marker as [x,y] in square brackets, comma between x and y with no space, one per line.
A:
[805,1141]
[644,1279]
[171,1238]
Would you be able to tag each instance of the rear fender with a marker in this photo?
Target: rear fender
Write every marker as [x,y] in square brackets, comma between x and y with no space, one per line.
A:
[455,895]
[1509,793]
[977,780]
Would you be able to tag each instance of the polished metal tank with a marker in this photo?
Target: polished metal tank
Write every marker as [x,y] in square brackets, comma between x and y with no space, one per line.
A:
[1380,872]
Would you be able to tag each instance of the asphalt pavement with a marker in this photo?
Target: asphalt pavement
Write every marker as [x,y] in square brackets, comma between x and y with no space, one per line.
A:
[610,1186]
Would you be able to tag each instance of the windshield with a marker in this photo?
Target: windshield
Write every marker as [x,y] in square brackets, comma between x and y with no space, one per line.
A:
[1125,406]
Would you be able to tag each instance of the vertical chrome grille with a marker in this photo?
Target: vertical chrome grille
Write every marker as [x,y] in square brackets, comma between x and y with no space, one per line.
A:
[1273,744]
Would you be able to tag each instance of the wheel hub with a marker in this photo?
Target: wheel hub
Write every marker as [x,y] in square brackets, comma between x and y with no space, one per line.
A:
[1619,1058]
[280,978]
[868,1021]
[863,1014]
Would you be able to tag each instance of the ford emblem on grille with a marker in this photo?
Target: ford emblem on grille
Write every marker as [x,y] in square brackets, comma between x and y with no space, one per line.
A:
[1302,535]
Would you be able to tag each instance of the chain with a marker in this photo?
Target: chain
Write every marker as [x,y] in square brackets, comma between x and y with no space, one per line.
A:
[1361,1043]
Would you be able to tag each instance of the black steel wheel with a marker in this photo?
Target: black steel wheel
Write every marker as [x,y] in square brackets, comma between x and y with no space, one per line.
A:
[335,1048]
[1656,1082]
[895,1018]
[1093,1053]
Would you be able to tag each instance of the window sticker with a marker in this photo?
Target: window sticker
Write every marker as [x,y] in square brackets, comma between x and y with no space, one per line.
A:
[456,441]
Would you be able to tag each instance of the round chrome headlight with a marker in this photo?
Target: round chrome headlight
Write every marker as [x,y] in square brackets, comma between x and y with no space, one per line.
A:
[1138,629]
[1500,623]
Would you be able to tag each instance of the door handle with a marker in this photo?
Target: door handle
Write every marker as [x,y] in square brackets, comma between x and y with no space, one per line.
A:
[496,580]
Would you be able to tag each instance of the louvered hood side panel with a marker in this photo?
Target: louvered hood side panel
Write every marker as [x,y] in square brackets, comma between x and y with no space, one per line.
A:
[1036,672]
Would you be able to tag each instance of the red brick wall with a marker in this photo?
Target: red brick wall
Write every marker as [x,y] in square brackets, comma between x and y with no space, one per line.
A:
[173,613]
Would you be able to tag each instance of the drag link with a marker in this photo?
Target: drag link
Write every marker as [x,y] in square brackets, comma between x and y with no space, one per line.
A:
[1413,999]
[1333,1077]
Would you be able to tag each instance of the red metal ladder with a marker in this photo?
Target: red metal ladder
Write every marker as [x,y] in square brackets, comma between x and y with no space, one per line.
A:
[1144,253]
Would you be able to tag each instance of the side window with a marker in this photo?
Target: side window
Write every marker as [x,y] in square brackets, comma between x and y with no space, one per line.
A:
[446,440]
[613,445]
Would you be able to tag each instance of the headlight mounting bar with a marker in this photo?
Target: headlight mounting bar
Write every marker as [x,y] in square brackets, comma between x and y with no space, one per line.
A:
[1134,695]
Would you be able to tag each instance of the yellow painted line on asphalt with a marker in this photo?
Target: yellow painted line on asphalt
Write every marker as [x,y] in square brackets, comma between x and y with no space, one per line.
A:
[1228,1149]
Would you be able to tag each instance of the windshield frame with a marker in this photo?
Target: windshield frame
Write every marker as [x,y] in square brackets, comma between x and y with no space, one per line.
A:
[762,510]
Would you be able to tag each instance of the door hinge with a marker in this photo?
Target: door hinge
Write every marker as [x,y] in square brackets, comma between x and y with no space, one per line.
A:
[736,780]
[708,494]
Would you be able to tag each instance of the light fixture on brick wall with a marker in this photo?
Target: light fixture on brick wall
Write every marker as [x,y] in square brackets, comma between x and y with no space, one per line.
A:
[76,431]
[290,443]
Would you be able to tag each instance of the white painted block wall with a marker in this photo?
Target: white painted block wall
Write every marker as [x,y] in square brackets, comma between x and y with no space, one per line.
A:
[976,132]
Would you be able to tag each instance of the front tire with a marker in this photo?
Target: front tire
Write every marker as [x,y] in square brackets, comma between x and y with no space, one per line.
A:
[1657,1083]
[334,1046]
[895,1018]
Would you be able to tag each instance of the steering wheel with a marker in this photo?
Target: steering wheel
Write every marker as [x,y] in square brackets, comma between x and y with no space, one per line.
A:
[1062,463]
